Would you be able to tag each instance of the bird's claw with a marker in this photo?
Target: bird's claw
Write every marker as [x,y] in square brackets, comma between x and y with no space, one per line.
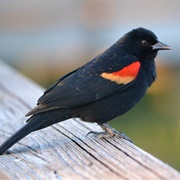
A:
[109,132]
[99,135]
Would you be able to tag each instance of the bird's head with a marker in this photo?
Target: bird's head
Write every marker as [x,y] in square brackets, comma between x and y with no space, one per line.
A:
[142,43]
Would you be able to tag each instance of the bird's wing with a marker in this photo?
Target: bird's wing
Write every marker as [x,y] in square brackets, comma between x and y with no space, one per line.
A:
[85,85]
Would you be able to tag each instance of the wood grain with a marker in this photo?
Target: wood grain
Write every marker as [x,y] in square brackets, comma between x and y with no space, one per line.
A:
[63,151]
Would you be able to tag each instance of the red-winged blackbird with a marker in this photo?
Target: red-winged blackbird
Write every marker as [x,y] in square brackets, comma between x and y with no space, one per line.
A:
[102,89]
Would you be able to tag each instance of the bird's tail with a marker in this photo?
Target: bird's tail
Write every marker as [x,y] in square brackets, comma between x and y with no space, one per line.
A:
[34,123]
[31,126]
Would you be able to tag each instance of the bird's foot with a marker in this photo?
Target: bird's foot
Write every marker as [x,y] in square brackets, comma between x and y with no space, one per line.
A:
[109,132]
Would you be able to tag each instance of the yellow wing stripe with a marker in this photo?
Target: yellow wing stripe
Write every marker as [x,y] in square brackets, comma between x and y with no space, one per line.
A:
[117,79]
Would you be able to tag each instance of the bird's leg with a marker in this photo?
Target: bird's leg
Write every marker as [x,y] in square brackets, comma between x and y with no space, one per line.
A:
[109,132]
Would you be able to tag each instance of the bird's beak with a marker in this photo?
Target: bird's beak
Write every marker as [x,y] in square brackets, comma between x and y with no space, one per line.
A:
[161,46]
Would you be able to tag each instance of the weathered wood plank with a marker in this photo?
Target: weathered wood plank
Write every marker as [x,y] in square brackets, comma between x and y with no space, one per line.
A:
[63,151]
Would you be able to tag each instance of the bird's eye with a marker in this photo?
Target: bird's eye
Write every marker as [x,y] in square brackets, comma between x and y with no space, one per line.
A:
[144,42]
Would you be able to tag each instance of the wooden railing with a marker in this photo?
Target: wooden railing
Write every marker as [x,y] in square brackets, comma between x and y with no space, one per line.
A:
[63,151]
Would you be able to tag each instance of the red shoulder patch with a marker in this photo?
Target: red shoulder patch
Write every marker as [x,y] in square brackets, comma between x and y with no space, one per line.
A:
[131,70]
[125,75]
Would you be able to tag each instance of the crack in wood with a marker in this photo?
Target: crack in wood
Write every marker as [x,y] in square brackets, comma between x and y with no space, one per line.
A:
[117,173]
[134,159]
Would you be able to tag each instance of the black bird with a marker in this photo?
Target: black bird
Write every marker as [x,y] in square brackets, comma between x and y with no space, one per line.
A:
[102,89]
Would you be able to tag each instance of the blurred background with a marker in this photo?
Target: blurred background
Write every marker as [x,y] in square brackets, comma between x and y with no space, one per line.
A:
[46,39]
